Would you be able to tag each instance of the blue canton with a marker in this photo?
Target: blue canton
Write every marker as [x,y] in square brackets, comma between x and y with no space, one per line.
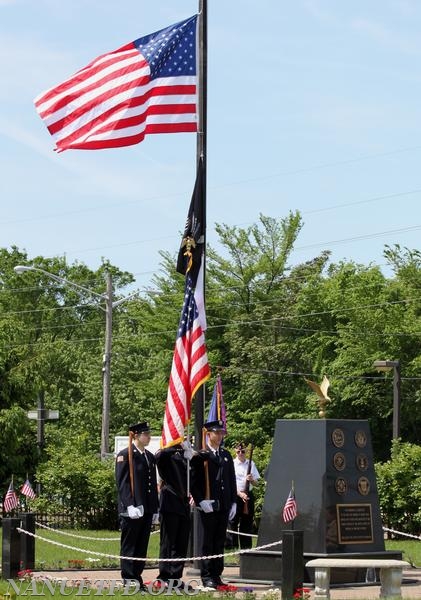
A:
[171,51]
[189,311]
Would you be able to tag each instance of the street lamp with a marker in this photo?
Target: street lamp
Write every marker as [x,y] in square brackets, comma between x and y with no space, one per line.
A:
[107,298]
[388,365]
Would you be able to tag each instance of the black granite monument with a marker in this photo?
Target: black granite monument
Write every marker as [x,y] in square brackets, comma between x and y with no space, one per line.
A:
[330,462]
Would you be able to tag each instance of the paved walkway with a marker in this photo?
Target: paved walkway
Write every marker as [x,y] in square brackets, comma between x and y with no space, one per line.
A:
[411,586]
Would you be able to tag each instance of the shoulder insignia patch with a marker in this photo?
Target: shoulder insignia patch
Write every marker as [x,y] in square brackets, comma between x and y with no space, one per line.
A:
[120,458]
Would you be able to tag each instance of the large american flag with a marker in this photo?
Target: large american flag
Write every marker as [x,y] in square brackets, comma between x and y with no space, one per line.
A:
[290,508]
[146,86]
[10,500]
[27,490]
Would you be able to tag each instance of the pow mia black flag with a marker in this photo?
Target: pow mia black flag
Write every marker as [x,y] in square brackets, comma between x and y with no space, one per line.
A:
[192,244]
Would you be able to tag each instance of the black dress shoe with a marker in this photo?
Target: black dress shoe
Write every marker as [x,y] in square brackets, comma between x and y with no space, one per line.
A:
[209,583]
[134,582]
[186,587]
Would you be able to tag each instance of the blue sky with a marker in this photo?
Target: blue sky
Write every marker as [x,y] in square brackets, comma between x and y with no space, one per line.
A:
[312,105]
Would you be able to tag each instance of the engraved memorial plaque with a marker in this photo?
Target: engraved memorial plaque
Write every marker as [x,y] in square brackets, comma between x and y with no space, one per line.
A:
[355,524]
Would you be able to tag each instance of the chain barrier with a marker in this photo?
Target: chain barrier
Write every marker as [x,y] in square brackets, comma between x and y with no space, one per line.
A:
[415,537]
[242,533]
[83,537]
[145,559]
[113,539]
[80,537]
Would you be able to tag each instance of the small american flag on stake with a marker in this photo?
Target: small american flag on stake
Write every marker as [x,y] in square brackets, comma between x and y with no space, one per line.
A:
[27,490]
[10,500]
[290,509]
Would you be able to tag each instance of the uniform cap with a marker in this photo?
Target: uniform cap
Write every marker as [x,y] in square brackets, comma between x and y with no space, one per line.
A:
[214,425]
[140,427]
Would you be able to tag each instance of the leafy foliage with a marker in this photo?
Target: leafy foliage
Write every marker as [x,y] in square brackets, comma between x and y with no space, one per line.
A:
[399,484]
[73,480]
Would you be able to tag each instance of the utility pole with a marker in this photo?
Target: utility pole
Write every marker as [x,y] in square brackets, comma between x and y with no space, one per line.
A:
[385,366]
[396,400]
[106,370]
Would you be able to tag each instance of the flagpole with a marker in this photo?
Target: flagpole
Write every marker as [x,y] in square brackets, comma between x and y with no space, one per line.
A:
[199,403]
[203,81]
[201,141]
[293,491]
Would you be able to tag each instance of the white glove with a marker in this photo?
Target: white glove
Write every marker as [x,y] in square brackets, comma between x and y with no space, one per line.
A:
[135,512]
[206,505]
[188,450]
[232,512]
[155,519]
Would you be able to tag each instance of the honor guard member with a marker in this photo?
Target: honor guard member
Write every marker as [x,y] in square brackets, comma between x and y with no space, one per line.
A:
[135,473]
[214,491]
[174,510]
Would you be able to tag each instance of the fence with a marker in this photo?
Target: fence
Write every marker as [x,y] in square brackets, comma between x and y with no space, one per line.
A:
[93,519]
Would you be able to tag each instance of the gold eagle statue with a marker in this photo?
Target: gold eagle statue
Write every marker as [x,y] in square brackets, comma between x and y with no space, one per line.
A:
[321,391]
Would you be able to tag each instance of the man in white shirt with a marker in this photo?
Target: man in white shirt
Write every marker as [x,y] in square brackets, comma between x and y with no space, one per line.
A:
[246,475]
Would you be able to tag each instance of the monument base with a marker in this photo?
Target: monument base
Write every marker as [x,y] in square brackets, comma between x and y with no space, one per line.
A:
[267,566]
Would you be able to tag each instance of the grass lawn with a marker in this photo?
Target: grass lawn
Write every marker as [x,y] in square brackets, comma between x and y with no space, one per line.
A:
[55,557]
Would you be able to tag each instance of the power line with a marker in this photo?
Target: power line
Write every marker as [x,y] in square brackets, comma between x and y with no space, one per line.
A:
[359,237]
[359,202]
[137,335]
[184,193]
[285,317]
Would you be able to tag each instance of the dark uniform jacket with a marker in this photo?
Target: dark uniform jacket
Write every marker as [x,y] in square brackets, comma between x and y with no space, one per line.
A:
[172,468]
[222,482]
[144,478]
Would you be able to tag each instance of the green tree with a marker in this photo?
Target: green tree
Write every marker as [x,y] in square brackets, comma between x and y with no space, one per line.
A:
[253,294]
[74,481]
[399,486]
[52,342]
